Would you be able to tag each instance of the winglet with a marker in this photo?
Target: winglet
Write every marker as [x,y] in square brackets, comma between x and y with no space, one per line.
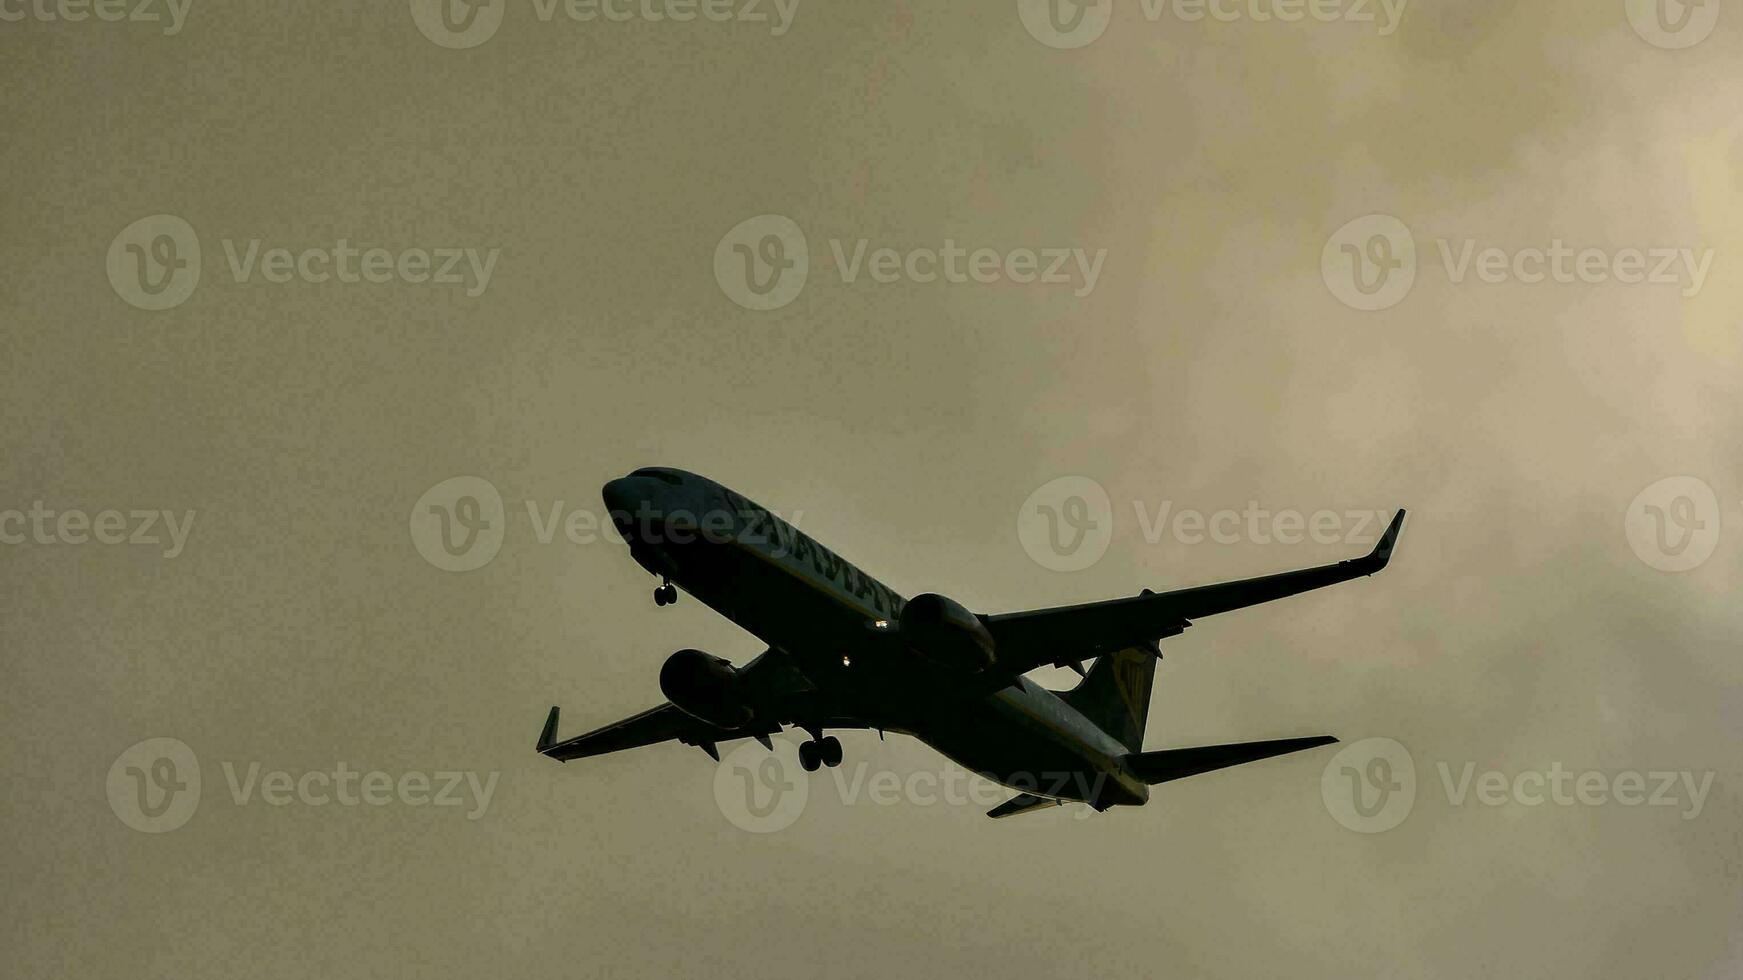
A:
[548,737]
[1382,553]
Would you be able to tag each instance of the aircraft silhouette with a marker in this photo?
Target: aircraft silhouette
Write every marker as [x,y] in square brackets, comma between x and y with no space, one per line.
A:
[847,652]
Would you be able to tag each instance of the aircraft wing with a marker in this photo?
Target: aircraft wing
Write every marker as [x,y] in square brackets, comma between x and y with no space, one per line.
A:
[782,694]
[1065,635]
[661,724]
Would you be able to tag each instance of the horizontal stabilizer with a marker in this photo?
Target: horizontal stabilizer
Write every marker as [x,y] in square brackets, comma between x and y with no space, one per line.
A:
[1022,803]
[1170,764]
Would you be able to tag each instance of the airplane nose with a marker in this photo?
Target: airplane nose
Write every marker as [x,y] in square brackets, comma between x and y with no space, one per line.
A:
[625,493]
[633,504]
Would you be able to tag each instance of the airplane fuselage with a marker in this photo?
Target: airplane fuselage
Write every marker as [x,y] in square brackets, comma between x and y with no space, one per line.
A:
[838,627]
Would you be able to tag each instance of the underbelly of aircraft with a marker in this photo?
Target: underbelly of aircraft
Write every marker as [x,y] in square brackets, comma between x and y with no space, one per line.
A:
[1013,740]
[997,743]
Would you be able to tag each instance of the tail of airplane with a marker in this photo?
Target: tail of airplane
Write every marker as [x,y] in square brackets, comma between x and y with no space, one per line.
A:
[1116,697]
[1115,694]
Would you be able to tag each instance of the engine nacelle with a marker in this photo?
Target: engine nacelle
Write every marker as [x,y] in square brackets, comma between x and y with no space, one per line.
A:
[942,631]
[705,687]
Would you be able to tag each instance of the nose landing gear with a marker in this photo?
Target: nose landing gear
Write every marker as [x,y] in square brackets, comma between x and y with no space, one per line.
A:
[665,595]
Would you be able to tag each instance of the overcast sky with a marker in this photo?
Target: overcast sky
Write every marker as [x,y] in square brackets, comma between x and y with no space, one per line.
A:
[1212,292]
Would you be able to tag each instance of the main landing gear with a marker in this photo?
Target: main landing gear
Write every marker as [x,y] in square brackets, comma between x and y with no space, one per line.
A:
[821,751]
[665,595]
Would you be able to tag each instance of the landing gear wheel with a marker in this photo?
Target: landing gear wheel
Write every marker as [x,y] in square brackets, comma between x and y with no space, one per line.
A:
[808,756]
[665,595]
[830,751]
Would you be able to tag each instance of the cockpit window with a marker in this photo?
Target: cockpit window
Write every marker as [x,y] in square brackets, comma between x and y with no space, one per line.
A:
[664,476]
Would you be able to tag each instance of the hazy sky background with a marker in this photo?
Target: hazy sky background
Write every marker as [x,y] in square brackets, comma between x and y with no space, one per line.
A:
[1210,366]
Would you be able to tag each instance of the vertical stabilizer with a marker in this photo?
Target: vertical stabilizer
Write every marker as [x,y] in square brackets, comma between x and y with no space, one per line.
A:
[1116,694]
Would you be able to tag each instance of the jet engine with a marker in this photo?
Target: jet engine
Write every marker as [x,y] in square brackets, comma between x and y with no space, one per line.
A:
[705,687]
[942,631]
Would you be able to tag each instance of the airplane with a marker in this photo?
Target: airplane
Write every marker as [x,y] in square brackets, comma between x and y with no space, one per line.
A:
[846,652]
